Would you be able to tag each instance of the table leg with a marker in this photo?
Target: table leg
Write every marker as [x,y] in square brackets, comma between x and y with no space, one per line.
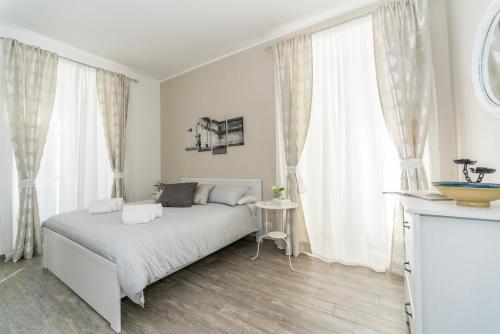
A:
[284,228]
[289,254]
[258,248]
[283,220]
[265,222]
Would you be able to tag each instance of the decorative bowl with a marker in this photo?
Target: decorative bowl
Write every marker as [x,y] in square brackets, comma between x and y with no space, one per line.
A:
[470,194]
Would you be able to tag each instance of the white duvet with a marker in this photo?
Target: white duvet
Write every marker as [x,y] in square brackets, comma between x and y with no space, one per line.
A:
[145,253]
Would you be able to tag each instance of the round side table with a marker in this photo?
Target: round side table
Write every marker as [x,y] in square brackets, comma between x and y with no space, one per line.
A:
[275,235]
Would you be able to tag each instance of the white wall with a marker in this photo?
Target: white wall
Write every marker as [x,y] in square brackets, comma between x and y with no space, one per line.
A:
[478,133]
[142,159]
[245,77]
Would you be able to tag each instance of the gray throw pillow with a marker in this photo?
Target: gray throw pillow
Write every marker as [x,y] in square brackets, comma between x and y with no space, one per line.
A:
[201,193]
[177,194]
[227,194]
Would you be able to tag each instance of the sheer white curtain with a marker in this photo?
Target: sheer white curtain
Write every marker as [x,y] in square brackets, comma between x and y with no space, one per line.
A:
[349,159]
[75,167]
[9,196]
[7,175]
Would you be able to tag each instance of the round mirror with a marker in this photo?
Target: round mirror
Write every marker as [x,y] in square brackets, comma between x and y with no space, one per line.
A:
[486,64]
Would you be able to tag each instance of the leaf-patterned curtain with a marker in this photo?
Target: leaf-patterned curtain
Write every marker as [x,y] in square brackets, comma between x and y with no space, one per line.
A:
[404,73]
[293,94]
[113,93]
[29,79]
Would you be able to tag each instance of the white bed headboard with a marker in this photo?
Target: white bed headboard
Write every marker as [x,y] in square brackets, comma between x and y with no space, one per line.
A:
[255,190]
[254,184]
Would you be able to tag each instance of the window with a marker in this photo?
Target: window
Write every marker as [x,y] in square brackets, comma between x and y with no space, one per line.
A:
[8,182]
[348,159]
[75,166]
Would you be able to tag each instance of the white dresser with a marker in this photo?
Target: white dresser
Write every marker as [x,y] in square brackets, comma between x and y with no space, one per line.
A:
[452,267]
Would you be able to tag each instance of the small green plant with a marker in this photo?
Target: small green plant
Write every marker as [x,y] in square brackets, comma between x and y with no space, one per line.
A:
[278,191]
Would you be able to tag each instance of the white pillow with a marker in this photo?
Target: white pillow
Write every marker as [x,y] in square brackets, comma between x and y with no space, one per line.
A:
[247,199]
[201,193]
[156,195]
[227,194]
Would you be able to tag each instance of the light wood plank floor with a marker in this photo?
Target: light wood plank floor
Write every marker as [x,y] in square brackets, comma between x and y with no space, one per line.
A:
[223,293]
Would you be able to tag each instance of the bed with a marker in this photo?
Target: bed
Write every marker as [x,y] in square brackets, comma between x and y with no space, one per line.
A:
[103,260]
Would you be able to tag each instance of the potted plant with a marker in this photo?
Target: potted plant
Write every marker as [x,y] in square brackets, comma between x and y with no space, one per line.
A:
[278,194]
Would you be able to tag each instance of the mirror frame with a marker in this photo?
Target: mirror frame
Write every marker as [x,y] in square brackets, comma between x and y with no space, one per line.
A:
[477,59]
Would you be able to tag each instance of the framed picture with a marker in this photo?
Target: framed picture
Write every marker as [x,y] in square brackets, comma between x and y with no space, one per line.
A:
[190,140]
[219,137]
[235,134]
[203,137]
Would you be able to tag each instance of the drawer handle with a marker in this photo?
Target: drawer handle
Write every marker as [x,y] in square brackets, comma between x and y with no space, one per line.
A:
[406,310]
[406,225]
[406,268]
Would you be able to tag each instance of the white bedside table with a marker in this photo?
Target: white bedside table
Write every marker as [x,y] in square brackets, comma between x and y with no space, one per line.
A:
[275,235]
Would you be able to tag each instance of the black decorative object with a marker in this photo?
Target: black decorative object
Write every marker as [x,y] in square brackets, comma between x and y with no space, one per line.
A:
[478,170]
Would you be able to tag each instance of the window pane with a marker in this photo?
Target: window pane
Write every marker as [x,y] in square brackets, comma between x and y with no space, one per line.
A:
[75,167]
[349,159]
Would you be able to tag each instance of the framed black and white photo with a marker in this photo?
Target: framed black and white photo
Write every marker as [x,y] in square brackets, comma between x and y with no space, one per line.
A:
[219,137]
[203,142]
[235,134]
[190,140]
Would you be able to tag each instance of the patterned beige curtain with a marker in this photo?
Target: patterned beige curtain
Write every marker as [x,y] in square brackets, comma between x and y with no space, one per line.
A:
[29,81]
[293,92]
[113,93]
[404,73]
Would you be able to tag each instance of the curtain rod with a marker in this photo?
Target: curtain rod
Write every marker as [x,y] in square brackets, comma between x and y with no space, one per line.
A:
[329,23]
[83,64]
[95,67]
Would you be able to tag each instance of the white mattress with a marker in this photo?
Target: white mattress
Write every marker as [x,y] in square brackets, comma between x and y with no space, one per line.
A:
[145,253]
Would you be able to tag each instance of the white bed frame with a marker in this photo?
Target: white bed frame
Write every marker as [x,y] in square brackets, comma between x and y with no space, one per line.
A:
[94,278]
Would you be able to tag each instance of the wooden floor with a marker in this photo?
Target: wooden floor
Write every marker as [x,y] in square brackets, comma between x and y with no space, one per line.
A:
[223,293]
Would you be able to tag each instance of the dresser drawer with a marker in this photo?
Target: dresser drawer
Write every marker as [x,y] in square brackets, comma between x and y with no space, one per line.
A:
[408,229]
[409,267]
[409,309]
[410,285]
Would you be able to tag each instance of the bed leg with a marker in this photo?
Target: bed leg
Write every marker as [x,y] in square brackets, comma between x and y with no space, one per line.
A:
[116,321]
[116,326]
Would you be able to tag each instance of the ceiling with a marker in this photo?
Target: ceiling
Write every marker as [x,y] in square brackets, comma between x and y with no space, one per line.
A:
[161,38]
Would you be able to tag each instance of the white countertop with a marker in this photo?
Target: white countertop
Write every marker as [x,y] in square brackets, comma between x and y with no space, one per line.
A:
[450,209]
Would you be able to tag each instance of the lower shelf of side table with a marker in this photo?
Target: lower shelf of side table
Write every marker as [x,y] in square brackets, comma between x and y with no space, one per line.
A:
[277,235]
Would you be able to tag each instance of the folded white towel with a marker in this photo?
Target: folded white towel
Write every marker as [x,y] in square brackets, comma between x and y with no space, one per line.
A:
[141,213]
[106,205]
